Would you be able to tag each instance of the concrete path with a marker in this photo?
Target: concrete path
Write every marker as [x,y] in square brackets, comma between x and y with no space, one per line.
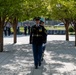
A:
[59,58]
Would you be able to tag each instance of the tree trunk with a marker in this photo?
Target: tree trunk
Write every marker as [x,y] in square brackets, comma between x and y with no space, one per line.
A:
[15,29]
[1,36]
[75,33]
[15,36]
[67,31]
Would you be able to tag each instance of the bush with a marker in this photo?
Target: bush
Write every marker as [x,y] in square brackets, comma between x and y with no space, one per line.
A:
[71,29]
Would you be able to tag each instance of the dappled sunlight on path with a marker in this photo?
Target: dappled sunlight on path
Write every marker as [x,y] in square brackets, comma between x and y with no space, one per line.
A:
[59,58]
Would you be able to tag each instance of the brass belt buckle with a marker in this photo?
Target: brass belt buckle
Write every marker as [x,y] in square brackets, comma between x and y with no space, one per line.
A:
[37,35]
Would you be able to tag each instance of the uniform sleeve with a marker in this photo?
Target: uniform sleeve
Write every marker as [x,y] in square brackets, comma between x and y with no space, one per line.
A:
[44,35]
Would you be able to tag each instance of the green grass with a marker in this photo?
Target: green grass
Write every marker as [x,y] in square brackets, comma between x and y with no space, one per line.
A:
[21,29]
[71,33]
[55,27]
[49,28]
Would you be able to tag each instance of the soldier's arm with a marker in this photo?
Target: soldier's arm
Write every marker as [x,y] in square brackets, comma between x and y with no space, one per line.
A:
[44,35]
[31,36]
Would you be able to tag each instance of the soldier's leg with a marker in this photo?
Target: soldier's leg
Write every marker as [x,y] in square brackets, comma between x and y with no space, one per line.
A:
[5,32]
[9,31]
[24,30]
[39,54]
[43,49]
[35,54]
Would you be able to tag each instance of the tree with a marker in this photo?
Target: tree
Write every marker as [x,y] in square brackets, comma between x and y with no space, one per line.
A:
[3,18]
[15,13]
[8,9]
[19,10]
[59,9]
[73,16]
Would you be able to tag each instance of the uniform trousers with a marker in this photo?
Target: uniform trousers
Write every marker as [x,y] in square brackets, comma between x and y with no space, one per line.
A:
[37,53]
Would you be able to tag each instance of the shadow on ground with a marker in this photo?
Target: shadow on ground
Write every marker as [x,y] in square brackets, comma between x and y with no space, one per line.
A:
[59,59]
[16,59]
[61,56]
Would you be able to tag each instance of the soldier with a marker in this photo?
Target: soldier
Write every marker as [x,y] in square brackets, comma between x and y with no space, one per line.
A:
[29,29]
[37,36]
[5,31]
[25,29]
[44,44]
[8,28]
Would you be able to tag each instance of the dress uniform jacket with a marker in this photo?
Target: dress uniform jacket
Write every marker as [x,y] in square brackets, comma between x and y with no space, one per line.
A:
[38,35]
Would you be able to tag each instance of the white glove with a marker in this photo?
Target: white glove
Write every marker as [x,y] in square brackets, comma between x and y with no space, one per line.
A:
[43,44]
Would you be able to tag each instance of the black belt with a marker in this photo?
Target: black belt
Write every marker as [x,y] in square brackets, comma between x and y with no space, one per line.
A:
[37,35]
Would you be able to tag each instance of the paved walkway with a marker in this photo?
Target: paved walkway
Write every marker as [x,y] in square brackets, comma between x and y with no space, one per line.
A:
[59,58]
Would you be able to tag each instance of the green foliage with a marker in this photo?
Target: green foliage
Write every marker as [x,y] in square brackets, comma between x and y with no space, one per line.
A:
[34,8]
[62,9]
[10,9]
[27,9]
[71,29]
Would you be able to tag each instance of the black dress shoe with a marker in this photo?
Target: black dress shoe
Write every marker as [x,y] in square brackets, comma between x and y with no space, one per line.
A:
[39,63]
[36,67]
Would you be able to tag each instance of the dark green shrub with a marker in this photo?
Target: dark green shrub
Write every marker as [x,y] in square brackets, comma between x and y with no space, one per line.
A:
[71,29]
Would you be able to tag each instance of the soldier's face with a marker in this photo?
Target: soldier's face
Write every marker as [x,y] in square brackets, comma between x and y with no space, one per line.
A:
[37,21]
[42,23]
